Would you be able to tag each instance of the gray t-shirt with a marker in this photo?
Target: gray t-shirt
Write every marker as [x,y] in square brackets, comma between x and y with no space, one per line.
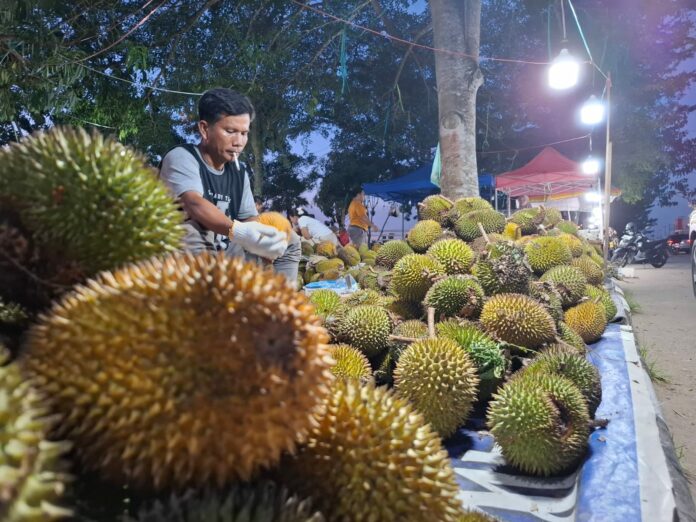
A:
[181,173]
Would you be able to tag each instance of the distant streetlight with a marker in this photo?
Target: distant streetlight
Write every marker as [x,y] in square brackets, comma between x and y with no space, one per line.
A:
[590,166]
[564,71]
[592,112]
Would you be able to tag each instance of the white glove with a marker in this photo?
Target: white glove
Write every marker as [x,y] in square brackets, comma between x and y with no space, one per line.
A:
[261,240]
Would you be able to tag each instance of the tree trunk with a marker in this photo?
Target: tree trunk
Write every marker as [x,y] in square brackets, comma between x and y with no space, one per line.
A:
[457,27]
[257,151]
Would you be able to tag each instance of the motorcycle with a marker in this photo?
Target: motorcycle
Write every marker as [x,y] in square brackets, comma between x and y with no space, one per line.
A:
[634,247]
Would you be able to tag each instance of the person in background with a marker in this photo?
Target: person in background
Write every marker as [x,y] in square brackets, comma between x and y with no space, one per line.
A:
[310,228]
[359,222]
[213,187]
[343,236]
[258,203]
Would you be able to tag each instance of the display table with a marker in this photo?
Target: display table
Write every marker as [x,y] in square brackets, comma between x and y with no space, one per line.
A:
[630,472]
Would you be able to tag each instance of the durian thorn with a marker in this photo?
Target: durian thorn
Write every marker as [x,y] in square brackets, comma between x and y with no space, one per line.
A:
[431,322]
[483,233]
[402,339]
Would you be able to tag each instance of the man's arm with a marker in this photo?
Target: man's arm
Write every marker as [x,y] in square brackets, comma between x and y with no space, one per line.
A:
[305,233]
[204,212]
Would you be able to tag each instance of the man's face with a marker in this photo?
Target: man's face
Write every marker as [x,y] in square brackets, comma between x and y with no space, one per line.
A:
[226,138]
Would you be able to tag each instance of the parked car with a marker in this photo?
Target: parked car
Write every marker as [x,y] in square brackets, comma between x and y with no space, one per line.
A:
[692,238]
[679,243]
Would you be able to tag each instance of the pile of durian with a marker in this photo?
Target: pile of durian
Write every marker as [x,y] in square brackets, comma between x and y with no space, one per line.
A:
[478,315]
[141,383]
[326,261]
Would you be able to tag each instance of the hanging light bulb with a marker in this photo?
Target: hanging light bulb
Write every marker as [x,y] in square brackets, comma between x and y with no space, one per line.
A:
[592,111]
[590,166]
[564,71]
[593,197]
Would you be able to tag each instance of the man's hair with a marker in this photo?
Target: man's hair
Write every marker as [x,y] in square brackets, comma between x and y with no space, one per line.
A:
[220,102]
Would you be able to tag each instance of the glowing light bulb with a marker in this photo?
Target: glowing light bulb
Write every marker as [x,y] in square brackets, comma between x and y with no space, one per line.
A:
[592,112]
[564,71]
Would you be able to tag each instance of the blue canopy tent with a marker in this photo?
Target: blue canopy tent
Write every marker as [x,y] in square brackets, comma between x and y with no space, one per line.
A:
[415,186]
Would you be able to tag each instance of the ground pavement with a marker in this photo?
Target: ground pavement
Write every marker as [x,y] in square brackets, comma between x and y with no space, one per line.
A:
[666,327]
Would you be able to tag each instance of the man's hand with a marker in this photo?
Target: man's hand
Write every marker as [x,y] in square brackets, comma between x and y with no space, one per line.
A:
[258,239]
[374,227]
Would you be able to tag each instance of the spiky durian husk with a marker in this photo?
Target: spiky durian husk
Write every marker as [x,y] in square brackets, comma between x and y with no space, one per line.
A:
[546,252]
[327,265]
[569,281]
[504,271]
[307,248]
[349,362]
[467,227]
[277,221]
[512,231]
[518,319]
[480,245]
[588,319]
[32,473]
[359,440]
[540,422]
[414,329]
[455,296]
[573,243]
[406,309]
[369,259]
[465,205]
[365,297]
[91,199]
[573,367]
[326,249]
[349,255]
[552,217]
[594,292]
[157,370]
[423,235]
[489,359]
[589,268]
[547,295]
[435,207]
[528,219]
[454,254]
[367,328]
[413,275]
[440,380]
[392,251]
[477,516]
[265,502]
[568,227]
[598,259]
[325,301]
[571,337]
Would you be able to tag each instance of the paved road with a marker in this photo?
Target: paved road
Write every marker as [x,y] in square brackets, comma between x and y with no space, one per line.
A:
[666,326]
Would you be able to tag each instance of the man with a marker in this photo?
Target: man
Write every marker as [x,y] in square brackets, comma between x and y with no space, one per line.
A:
[359,223]
[311,229]
[214,188]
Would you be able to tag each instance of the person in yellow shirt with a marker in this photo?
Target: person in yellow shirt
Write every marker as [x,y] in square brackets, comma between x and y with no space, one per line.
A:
[359,222]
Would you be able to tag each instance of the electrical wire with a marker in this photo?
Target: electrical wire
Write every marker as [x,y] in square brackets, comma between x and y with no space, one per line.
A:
[388,36]
[535,146]
[161,89]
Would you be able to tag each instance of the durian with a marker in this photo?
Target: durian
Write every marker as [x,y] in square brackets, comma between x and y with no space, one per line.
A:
[518,319]
[307,248]
[465,205]
[504,271]
[572,242]
[552,217]
[546,252]
[594,292]
[588,319]
[589,268]
[573,367]
[364,297]
[158,369]
[455,296]
[277,221]
[326,249]
[349,255]
[528,219]
[367,328]
[571,337]
[467,226]
[549,297]
[406,309]
[392,251]
[423,235]
[413,328]
[541,423]
[264,502]
[413,275]
[440,380]
[569,281]
[33,474]
[350,363]
[93,201]
[454,254]
[327,265]
[370,456]
[568,227]
[435,207]
[325,301]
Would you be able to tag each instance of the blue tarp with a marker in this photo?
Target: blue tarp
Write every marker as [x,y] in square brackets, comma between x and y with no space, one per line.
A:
[413,187]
